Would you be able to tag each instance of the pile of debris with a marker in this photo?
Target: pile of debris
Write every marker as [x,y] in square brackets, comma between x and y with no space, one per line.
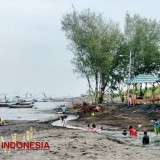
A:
[88,108]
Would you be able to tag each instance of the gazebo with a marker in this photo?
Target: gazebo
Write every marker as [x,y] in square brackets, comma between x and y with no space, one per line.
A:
[143,79]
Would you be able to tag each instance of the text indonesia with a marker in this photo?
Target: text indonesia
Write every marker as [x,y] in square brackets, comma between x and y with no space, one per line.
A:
[25,145]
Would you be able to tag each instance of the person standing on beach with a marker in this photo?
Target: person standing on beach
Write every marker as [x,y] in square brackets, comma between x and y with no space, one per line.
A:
[156,126]
[132,131]
[145,139]
[63,109]
[64,121]
[129,101]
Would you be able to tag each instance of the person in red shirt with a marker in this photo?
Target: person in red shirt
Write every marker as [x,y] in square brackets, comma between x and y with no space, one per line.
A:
[132,131]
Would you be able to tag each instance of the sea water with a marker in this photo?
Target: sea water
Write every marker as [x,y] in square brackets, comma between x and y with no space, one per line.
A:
[35,113]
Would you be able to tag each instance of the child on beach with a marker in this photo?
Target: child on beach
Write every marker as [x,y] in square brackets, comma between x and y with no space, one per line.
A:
[88,128]
[64,121]
[132,131]
[100,129]
[129,101]
[94,128]
[124,132]
[145,139]
[156,126]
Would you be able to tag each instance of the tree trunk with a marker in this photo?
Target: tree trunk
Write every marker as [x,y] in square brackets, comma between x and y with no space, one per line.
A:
[101,94]
[90,88]
[96,87]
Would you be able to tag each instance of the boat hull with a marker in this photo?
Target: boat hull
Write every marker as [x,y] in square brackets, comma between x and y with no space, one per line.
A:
[3,105]
[20,106]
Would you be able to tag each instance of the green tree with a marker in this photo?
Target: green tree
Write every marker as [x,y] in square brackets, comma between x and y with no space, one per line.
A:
[143,36]
[94,42]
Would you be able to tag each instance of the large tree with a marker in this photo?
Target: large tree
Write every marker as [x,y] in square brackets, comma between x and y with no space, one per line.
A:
[143,38]
[94,42]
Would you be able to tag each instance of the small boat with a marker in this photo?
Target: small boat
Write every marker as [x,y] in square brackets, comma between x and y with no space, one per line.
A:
[3,104]
[20,106]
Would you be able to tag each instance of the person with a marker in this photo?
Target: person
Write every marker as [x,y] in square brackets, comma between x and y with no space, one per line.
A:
[156,126]
[145,139]
[88,128]
[124,132]
[64,109]
[100,129]
[129,101]
[132,131]
[94,128]
[2,122]
[64,121]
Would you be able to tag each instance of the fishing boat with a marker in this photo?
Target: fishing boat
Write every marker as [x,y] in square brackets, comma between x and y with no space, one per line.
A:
[3,104]
[20,106]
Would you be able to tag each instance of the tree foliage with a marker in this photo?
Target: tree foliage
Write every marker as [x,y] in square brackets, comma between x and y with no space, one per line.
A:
[94,42]
[97,45]
[143,36]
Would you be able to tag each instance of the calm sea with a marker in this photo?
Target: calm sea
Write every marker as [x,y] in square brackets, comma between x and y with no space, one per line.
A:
[35,113]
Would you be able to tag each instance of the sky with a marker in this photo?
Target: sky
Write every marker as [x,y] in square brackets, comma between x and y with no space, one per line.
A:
[33,49]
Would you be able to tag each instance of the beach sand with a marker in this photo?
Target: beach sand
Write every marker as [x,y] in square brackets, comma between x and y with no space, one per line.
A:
[69,144]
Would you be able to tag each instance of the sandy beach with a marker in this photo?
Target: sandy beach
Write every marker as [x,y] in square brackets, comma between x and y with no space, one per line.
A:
[73,144]
[69,144]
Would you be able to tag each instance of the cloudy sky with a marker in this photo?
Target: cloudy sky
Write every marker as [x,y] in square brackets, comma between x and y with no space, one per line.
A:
[33,54]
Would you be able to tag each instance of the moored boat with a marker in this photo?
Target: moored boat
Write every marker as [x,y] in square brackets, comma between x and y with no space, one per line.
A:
[20,106]
[3,104]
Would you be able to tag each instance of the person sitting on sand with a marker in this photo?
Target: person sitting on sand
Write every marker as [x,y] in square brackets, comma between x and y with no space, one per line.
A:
[156,126]
[100,129]
[2,122]
[145,139]
[88,127]
[94,128]
[132,131]
[124,132]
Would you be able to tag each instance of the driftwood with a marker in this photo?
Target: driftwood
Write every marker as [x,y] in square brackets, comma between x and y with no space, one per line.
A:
[87,108]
